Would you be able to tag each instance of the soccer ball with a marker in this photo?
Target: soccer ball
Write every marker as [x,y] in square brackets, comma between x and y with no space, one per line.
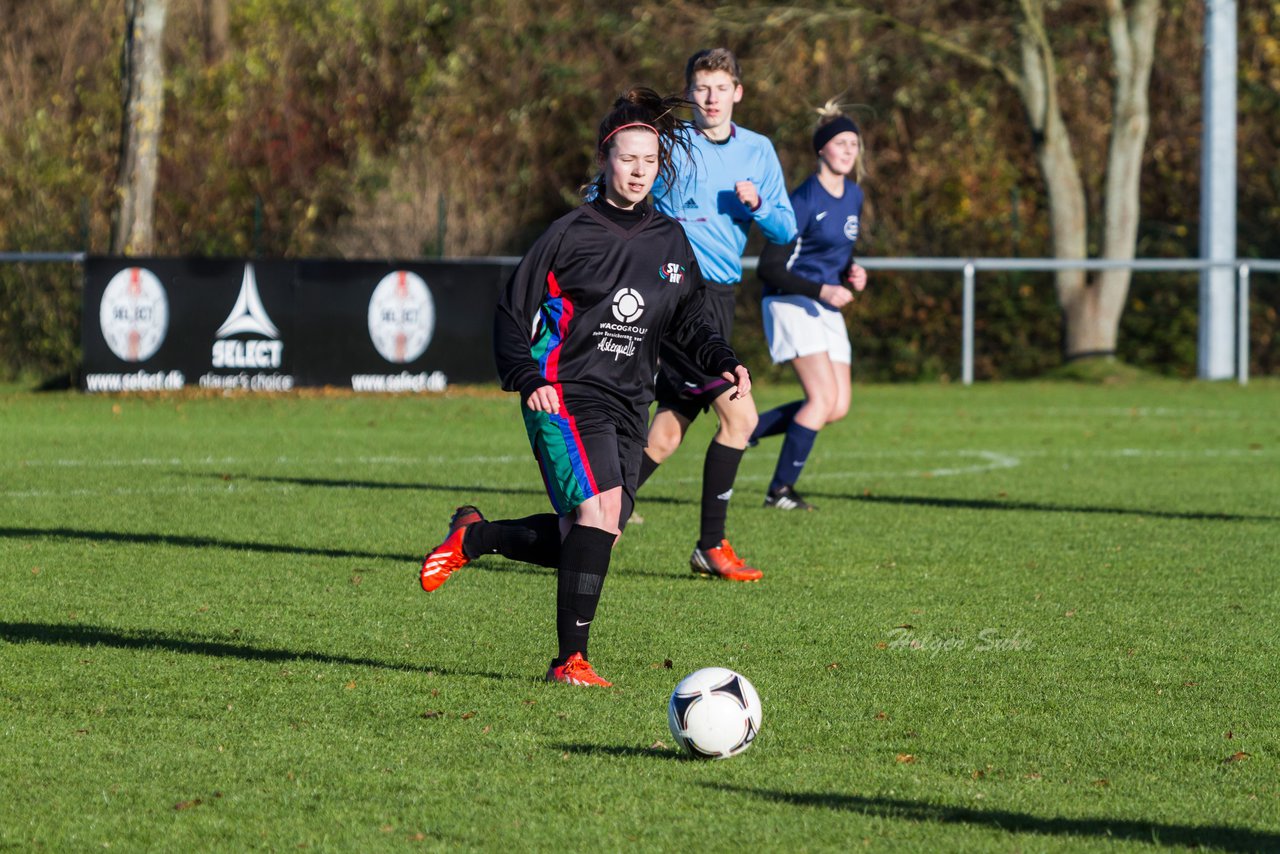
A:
[714,713]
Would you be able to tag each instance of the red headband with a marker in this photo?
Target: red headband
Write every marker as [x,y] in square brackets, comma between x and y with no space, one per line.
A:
[605,141]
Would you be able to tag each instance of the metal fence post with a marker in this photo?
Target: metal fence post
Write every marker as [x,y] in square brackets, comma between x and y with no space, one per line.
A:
[967,367]
[1242,325]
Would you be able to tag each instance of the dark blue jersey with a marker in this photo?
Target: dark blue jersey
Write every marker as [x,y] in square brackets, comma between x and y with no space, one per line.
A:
[823,250]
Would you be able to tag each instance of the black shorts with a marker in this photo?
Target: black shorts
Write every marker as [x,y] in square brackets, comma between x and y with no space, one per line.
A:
[681,385]
[581,457]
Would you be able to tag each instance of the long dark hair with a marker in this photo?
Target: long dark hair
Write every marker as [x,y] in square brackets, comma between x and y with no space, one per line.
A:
[644,106]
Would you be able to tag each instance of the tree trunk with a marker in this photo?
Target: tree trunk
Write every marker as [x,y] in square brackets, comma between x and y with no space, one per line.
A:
[143,113]
[1133,49]
[1068,218]
[1091,306]
[216,20]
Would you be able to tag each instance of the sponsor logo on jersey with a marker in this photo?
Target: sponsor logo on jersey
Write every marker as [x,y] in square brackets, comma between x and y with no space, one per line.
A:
[671,272]
[628,305]
[134,314]
[248,317]
[820,217]
[402,317]
[851,228]
[691,204]
[622,338]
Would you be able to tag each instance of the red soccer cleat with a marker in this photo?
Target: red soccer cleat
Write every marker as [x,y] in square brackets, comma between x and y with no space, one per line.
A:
[722,562]
[576,671]
[448,556]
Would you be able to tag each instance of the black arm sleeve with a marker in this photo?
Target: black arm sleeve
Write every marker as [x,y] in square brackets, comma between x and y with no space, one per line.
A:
[518,312]
[693,333]
[774,273]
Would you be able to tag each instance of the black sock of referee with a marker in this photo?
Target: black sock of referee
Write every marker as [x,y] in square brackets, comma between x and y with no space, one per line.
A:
[719,471]
[647,468]
[584,560]
[533,539]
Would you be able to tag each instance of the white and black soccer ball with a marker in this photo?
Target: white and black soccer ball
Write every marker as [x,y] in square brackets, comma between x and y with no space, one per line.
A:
[714,713]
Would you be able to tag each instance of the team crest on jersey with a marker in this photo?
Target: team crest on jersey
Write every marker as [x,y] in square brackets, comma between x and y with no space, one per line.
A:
[671,272]
[851,228]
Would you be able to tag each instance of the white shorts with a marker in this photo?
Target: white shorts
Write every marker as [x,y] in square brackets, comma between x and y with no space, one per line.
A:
[800,326]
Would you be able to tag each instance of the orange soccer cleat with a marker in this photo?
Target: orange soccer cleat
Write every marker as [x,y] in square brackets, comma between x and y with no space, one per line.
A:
[576,671]
[722,562]
[448,556]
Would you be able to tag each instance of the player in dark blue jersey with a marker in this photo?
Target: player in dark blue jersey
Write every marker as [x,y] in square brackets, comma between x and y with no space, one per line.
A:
[577,334]
[805,285]
[729,181]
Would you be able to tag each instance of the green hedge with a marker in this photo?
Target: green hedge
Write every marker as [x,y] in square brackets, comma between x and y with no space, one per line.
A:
[39,320]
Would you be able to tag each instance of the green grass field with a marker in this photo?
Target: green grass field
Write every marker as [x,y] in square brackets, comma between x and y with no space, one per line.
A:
[1026,617]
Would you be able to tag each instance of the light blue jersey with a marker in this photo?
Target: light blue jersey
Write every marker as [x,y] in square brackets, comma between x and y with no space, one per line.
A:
[703,200]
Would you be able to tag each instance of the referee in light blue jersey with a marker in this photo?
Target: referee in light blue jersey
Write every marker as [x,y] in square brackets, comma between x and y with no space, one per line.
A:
[729,180]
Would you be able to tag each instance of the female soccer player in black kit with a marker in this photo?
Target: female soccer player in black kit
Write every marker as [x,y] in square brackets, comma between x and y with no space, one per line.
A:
[576,334]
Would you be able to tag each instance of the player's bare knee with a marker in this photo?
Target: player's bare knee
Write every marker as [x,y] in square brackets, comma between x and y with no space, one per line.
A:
[601,511]
[737,424]
[662,444]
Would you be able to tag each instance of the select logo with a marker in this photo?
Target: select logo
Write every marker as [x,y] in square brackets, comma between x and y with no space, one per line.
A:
[402,317]
[248,317]
[134,314]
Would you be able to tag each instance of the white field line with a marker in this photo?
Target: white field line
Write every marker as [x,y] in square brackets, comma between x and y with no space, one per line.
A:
[983,461]
[220,489]
[1143,412]
[987,461]
[1056,413]
[1113,453]
[822,452]
[179,462]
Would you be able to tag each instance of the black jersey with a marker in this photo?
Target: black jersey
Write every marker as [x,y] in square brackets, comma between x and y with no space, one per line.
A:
[589,303]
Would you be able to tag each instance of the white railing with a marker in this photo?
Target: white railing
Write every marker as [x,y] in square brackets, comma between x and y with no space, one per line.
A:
[970,267]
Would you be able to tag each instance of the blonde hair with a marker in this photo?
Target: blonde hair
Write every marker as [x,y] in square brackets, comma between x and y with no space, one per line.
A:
[834,111]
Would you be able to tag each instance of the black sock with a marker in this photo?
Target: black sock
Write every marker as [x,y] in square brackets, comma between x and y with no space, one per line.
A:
[584,560]
[719,470]
[533,539]
[628,507]
[647,468]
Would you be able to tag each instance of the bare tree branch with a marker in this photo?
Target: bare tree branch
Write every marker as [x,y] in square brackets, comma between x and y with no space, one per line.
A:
[779,16]
[954,48]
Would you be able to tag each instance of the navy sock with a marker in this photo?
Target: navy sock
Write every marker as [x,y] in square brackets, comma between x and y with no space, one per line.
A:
[792,457]
[584,561]
[719,471]
[776,420]
[533,539]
